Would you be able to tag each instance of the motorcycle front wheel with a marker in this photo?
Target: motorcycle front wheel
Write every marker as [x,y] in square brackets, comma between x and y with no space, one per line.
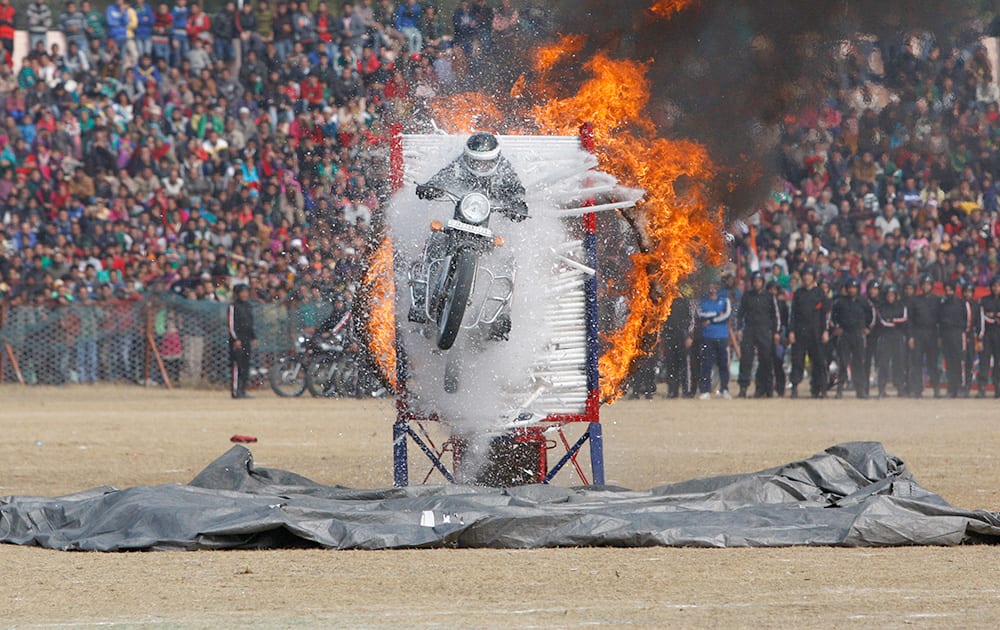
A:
[457,289]
[287,377]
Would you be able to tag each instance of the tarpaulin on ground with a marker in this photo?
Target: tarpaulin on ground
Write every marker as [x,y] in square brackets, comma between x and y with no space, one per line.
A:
[853,494]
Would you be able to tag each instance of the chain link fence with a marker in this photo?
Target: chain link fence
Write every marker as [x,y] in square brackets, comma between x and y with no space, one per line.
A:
[161,339]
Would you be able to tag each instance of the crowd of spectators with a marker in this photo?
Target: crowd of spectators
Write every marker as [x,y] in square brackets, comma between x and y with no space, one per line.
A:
[164,149]
[159,148]
[890,180]
[893,175]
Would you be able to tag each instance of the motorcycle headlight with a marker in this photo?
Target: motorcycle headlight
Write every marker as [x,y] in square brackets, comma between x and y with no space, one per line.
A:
[474,208]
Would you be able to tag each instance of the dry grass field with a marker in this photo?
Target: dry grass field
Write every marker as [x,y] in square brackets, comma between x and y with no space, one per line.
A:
[55,441]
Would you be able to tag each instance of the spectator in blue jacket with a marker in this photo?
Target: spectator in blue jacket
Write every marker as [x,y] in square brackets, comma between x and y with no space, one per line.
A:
[714,312]
[144,29]
[408,19]
[116,17]
[180,43]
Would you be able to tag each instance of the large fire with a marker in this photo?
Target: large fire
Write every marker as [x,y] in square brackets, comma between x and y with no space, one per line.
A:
[380,307]
[678,224]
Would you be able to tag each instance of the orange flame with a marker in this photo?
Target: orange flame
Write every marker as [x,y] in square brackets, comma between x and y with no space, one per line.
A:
[676,226]
[547,55]
[667,8]
[466,111]
[380,296]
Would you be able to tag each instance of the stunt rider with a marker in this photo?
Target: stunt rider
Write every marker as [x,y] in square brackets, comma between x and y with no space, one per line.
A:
[481,168]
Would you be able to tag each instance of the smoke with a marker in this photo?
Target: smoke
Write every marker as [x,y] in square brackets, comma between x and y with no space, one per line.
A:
[727,72]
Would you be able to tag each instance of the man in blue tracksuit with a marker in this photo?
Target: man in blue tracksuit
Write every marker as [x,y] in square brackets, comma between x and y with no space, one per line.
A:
[713,316]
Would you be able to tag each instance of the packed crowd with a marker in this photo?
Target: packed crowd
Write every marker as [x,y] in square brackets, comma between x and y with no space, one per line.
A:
[164,149]
[889,183]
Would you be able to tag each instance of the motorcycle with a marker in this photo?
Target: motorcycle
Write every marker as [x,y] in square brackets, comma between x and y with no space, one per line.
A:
[332,371]
[288,373]
[442,283]
[318,364]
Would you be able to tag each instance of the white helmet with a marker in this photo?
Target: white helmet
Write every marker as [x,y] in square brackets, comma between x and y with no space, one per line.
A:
[482,154]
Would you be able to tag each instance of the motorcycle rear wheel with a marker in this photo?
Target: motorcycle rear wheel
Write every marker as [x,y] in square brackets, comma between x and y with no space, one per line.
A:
[456,290]
[287,376]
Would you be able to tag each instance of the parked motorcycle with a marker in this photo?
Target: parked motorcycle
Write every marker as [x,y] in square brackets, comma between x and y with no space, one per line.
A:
[288,373]
[319,364]
[332,371]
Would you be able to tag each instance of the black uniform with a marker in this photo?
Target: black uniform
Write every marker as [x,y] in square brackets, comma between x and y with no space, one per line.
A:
[808,320]
[854,317]
[971,337]
[890,356]
[871,343]
[778,359]
[759,320]
[924,316]
[954,323]
[989,318]
[677,331]
[240,319]
[908,301]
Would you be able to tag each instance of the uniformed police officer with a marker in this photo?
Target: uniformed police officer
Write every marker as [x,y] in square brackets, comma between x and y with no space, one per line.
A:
[924,339]
[971,337]
[852,317]
[955,318]
[757,331]
[241,338]
[808,335]
[890,356]
[678,337]
[908,297]
[989,335]
[873,291]
[781,347]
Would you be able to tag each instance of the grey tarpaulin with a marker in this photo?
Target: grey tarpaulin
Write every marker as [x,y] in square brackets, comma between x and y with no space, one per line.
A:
[853,494]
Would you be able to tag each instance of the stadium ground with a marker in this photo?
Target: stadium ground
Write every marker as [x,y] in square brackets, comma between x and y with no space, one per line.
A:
[55,441]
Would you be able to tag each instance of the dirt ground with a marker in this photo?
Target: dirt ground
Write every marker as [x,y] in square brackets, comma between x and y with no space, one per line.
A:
[60,440]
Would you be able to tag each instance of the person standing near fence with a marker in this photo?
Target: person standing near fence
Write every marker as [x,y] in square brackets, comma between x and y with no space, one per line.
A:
[241,339]
[955,320]
[971,337]
[989,334]
[852,317]
[758,321]
[924,339]
[678,338]
[890,356]
[807,334]
[714,312]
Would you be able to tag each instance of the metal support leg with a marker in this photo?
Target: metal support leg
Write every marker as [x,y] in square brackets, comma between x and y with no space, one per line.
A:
[400,465]
[596,453]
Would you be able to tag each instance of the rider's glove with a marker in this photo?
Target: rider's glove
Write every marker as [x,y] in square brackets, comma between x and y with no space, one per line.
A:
[518,211]
[426,191]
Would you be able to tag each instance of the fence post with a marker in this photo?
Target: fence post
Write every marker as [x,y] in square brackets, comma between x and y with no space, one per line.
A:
[8,350]
[151,342]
